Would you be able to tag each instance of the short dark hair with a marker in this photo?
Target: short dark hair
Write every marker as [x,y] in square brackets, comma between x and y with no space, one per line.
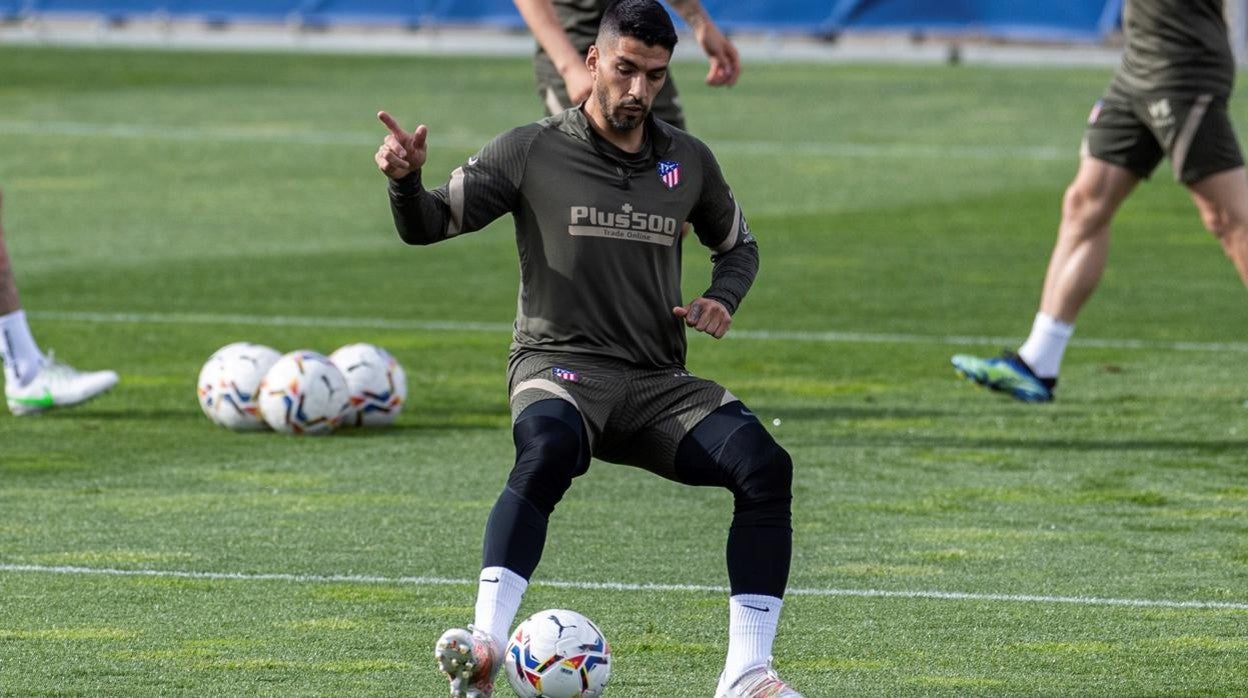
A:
[644,20]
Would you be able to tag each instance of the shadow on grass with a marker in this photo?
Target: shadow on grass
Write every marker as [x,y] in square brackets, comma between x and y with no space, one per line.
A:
[853,412]
[88,414]
[1209,447]
[476,421]
[927,421]
[395,430]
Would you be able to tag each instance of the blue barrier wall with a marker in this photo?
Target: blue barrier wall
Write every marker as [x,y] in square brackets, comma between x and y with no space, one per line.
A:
[1019,19]
[1065,20]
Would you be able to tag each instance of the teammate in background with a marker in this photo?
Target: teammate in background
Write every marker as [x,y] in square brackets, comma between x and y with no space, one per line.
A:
[1168,98]
[598,194]
[565,29]
[34,382]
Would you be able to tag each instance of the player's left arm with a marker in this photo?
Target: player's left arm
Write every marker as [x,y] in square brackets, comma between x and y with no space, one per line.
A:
[480,191]
[725,61]
[720,225]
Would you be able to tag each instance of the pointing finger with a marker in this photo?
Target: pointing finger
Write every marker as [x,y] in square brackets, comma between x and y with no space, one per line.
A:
[393,125]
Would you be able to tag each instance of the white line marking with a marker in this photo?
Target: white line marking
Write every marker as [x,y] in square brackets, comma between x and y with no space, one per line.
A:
[270,134]
[619,586]
[828,337]
[271,320]
[266,134]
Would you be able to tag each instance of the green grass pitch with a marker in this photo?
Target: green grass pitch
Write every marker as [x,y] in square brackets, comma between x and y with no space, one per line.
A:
[948,542]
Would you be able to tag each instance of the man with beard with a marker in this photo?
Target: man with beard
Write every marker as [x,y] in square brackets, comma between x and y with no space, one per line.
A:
[598,194]
[565,29]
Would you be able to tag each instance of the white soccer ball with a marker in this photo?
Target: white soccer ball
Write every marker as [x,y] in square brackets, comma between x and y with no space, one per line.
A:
[229,382]
[304,393]
[376,381]
[558,654]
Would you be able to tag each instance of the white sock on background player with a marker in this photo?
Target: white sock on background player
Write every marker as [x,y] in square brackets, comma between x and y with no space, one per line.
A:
[1045,345]
[22,359]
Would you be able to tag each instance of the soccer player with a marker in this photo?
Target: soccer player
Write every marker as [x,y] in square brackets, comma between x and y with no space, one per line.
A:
[34,382]
[565,29]
[1167,98]
[598,194]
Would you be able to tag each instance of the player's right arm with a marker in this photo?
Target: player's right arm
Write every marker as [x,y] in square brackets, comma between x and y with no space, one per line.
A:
[540,16]
[725,60]
[478,192]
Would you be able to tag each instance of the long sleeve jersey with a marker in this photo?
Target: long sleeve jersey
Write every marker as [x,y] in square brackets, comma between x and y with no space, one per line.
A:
[598,232]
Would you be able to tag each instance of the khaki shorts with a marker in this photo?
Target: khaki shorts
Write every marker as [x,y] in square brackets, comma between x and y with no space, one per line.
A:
[634,416]
[554,94]
[1194,131]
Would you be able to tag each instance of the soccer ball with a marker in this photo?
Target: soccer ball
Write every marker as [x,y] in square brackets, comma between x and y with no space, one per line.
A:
[304,393]
[377,384]
[558,654]
[229,381]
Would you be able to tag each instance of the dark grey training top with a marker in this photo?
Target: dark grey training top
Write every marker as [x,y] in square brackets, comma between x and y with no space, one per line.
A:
[1175,47]
[598,232]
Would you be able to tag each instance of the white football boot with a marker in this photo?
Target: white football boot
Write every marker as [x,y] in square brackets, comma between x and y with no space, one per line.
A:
[56,385]
[469,659]
[759,682]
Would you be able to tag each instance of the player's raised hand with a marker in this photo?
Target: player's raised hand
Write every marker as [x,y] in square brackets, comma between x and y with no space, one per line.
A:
[705,315]
[725,61]
[401,153]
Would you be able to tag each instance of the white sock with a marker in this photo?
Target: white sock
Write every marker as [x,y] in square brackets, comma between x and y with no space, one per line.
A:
[1045,345]
[499,592]
[18,349]
[752,622]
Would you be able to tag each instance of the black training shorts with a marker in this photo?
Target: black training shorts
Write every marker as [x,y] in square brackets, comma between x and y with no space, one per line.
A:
[635,416]
[1194,131]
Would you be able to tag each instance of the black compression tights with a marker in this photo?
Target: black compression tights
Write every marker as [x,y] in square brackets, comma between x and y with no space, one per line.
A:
[728,449]
[551,449]
[731,449]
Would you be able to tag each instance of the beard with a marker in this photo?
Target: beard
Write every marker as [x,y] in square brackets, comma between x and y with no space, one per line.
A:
[622,120]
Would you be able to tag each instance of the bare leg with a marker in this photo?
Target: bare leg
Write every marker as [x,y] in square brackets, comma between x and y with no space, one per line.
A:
[1075,268]
[1222,200]
[1078,259]
[8,287]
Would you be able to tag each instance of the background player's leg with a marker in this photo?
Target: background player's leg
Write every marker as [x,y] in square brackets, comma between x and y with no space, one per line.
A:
[21,355]
[1078,259]
[1075,268]
[34,383]
[1222,200]
[8,287]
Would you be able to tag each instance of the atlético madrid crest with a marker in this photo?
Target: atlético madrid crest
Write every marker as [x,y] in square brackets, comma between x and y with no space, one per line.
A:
[669,172]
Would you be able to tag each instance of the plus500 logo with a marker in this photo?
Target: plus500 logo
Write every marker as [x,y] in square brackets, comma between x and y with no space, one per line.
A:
[651,223]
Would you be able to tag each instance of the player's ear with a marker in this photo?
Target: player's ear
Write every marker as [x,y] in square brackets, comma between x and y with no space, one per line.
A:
[591,61]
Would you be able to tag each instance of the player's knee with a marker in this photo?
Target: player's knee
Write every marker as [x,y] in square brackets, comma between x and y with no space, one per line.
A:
[549,453]
[731,450]
[1222,223]
[762,470]
[1083,209]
